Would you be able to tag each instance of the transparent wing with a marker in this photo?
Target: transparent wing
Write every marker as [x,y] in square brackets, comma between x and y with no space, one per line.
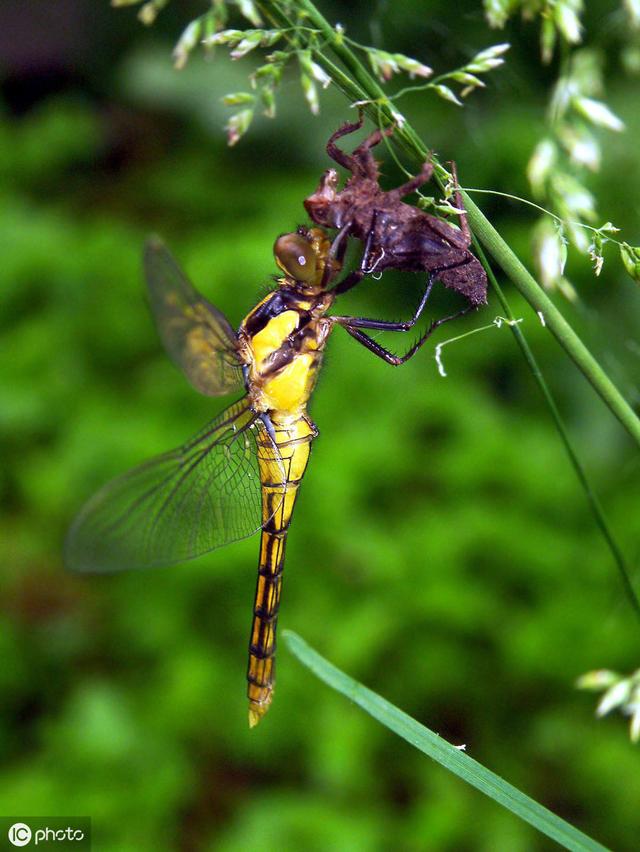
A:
[181,504]
[197,336]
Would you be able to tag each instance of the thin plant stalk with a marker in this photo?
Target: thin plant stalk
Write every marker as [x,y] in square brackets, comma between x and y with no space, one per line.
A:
[592,498]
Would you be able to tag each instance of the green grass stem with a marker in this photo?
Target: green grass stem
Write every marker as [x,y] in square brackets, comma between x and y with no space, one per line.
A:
[592,498]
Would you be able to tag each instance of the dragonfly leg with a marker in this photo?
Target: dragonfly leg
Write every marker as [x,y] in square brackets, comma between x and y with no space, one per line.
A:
[341,157]
[416,182]
[366,268]
[349,281]
[374,138]
[363,153]
[337,252]
[389,357]
[268,425]
[386,325]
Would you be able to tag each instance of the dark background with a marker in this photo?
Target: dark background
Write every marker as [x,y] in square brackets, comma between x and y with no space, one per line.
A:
[442,551]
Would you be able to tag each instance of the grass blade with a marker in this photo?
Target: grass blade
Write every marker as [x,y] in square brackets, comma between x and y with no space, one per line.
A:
[440,750]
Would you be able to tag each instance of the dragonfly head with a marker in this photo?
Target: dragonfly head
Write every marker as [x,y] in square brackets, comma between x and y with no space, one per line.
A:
[303,256]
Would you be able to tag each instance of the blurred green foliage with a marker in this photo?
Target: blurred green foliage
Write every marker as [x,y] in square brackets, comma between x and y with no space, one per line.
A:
[441,552]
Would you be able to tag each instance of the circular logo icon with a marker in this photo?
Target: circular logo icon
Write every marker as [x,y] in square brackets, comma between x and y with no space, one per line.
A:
[19,834]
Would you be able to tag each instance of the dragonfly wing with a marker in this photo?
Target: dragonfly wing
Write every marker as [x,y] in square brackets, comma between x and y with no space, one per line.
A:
[197,336]
[181,504]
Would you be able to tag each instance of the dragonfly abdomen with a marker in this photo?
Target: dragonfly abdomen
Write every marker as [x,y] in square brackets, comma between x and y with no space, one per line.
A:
[262,646]
[293,440]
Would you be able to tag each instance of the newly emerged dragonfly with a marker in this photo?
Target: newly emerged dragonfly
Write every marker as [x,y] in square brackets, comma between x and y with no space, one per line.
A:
[242,472]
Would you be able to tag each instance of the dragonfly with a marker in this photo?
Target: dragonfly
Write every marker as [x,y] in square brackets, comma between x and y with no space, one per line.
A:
[240,474]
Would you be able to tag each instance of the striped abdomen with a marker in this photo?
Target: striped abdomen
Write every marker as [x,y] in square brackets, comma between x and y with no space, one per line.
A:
[294,442]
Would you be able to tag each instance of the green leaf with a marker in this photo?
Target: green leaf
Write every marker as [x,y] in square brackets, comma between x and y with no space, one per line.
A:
[452,758]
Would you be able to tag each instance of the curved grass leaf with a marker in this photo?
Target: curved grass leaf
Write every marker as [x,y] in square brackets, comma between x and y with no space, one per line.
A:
[440,750]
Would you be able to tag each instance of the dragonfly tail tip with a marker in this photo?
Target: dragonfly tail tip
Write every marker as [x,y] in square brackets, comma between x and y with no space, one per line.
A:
[256,712]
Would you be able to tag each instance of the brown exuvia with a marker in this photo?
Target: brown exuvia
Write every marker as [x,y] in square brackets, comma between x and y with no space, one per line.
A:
[396,235]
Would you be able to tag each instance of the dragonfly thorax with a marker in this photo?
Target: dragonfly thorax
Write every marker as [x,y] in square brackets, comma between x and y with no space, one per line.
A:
[284,337]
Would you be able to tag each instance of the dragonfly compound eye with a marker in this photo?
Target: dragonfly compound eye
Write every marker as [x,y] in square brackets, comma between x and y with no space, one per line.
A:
[296,257]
